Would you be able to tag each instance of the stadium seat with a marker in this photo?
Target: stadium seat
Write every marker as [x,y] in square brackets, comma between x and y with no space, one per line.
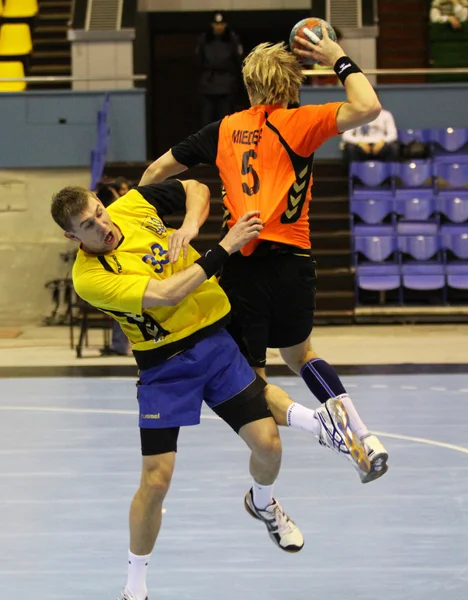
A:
[375,242]
[1,8]
[454,205]
[455,175]
[418,239]
[15,39]
[455,239]
[414,173]
[415,204]
[20,9]
[423,275]
[12,70]
[371,173]
[457,275]
[406,136]
[372,206]
[379,277]
[449,139]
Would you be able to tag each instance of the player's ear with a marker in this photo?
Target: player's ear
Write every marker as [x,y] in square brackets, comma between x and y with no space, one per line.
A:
[71,236]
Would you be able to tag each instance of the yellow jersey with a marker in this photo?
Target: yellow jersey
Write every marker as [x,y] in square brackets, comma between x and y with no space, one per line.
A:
[116,282]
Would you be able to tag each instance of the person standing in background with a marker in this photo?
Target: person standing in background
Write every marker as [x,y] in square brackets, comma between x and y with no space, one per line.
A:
[220,57]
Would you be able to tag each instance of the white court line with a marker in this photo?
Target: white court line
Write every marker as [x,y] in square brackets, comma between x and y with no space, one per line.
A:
[106,411]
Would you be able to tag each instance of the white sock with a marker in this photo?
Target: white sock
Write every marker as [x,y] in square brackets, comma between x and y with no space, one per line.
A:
[303,418]
[136,582]
[262,495]
[354,419]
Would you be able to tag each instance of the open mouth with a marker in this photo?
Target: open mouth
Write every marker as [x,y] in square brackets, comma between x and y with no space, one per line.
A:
[109,239]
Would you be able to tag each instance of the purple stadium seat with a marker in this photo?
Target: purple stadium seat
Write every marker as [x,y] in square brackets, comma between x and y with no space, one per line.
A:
[415,205]
[454,174]
[423,276]
[418,239]
[414,173]
[454,205]
[457,275]
[406,136]
[455,239]
[372,206]
[378,277]
[371,173]
[449,139]
[375,242]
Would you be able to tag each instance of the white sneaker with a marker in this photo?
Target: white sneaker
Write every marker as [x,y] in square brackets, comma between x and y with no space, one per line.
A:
[282,530]
[378,457]
[127,596]
[336,434]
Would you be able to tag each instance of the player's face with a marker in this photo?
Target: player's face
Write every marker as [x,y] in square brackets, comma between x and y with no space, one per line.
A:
[94,229]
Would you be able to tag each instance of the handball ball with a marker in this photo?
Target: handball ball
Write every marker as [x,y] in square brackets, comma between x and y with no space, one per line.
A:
[314,25]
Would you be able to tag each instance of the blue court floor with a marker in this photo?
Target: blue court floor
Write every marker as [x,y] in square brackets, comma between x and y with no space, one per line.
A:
[69,465]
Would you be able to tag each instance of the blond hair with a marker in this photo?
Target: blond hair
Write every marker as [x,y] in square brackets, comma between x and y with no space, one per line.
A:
[272,74]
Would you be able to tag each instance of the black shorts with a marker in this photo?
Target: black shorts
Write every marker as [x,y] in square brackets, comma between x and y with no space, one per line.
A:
[272,294]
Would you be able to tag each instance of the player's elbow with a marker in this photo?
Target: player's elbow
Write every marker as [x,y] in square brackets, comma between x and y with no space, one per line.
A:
[369,111]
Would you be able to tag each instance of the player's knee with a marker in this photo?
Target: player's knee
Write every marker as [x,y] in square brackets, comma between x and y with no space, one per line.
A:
[267,445]
[156,480]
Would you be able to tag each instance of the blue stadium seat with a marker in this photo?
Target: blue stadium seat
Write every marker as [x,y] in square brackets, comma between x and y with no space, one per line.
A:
[455,239]
[376,242]
[455,174]
[418,239]
[380,277]
[423,275]
[371,173]
[372,206]
[449,139]
[406,136]
[457,275]
[415,204]
[454,205]
[414,173]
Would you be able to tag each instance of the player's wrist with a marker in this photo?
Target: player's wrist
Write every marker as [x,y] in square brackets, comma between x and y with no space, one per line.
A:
[345,66]
[213,260]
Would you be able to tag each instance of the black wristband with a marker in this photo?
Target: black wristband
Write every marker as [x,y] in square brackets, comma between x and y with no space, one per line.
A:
[344,66]
[213,260]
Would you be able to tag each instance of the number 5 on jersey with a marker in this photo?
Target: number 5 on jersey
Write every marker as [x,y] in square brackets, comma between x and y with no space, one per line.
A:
[248,168]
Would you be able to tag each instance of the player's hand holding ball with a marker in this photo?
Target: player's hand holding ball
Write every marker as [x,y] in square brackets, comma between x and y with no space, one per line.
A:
[313,49]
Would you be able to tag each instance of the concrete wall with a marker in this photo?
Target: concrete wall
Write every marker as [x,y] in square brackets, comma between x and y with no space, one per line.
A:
[413,106]
[30,241]
[59,128]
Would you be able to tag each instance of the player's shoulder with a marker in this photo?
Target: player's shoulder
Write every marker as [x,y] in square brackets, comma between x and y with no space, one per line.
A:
[129,205]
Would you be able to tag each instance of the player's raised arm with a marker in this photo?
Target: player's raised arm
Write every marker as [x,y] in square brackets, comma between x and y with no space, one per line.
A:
[162,168]
[362,104]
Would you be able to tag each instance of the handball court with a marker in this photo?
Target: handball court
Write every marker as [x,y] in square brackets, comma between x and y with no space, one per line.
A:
[69,464]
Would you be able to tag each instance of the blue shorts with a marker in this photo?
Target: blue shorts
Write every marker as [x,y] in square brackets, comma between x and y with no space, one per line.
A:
[171,394]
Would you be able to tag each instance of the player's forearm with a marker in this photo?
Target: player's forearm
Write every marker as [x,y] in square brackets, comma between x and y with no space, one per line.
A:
[173,290]
[361,95]
[162,168]
[197,203]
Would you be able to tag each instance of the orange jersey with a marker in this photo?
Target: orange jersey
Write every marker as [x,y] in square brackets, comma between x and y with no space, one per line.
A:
[265,158]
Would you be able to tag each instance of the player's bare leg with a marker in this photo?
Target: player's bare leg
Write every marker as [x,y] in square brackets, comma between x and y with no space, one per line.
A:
[263,439]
